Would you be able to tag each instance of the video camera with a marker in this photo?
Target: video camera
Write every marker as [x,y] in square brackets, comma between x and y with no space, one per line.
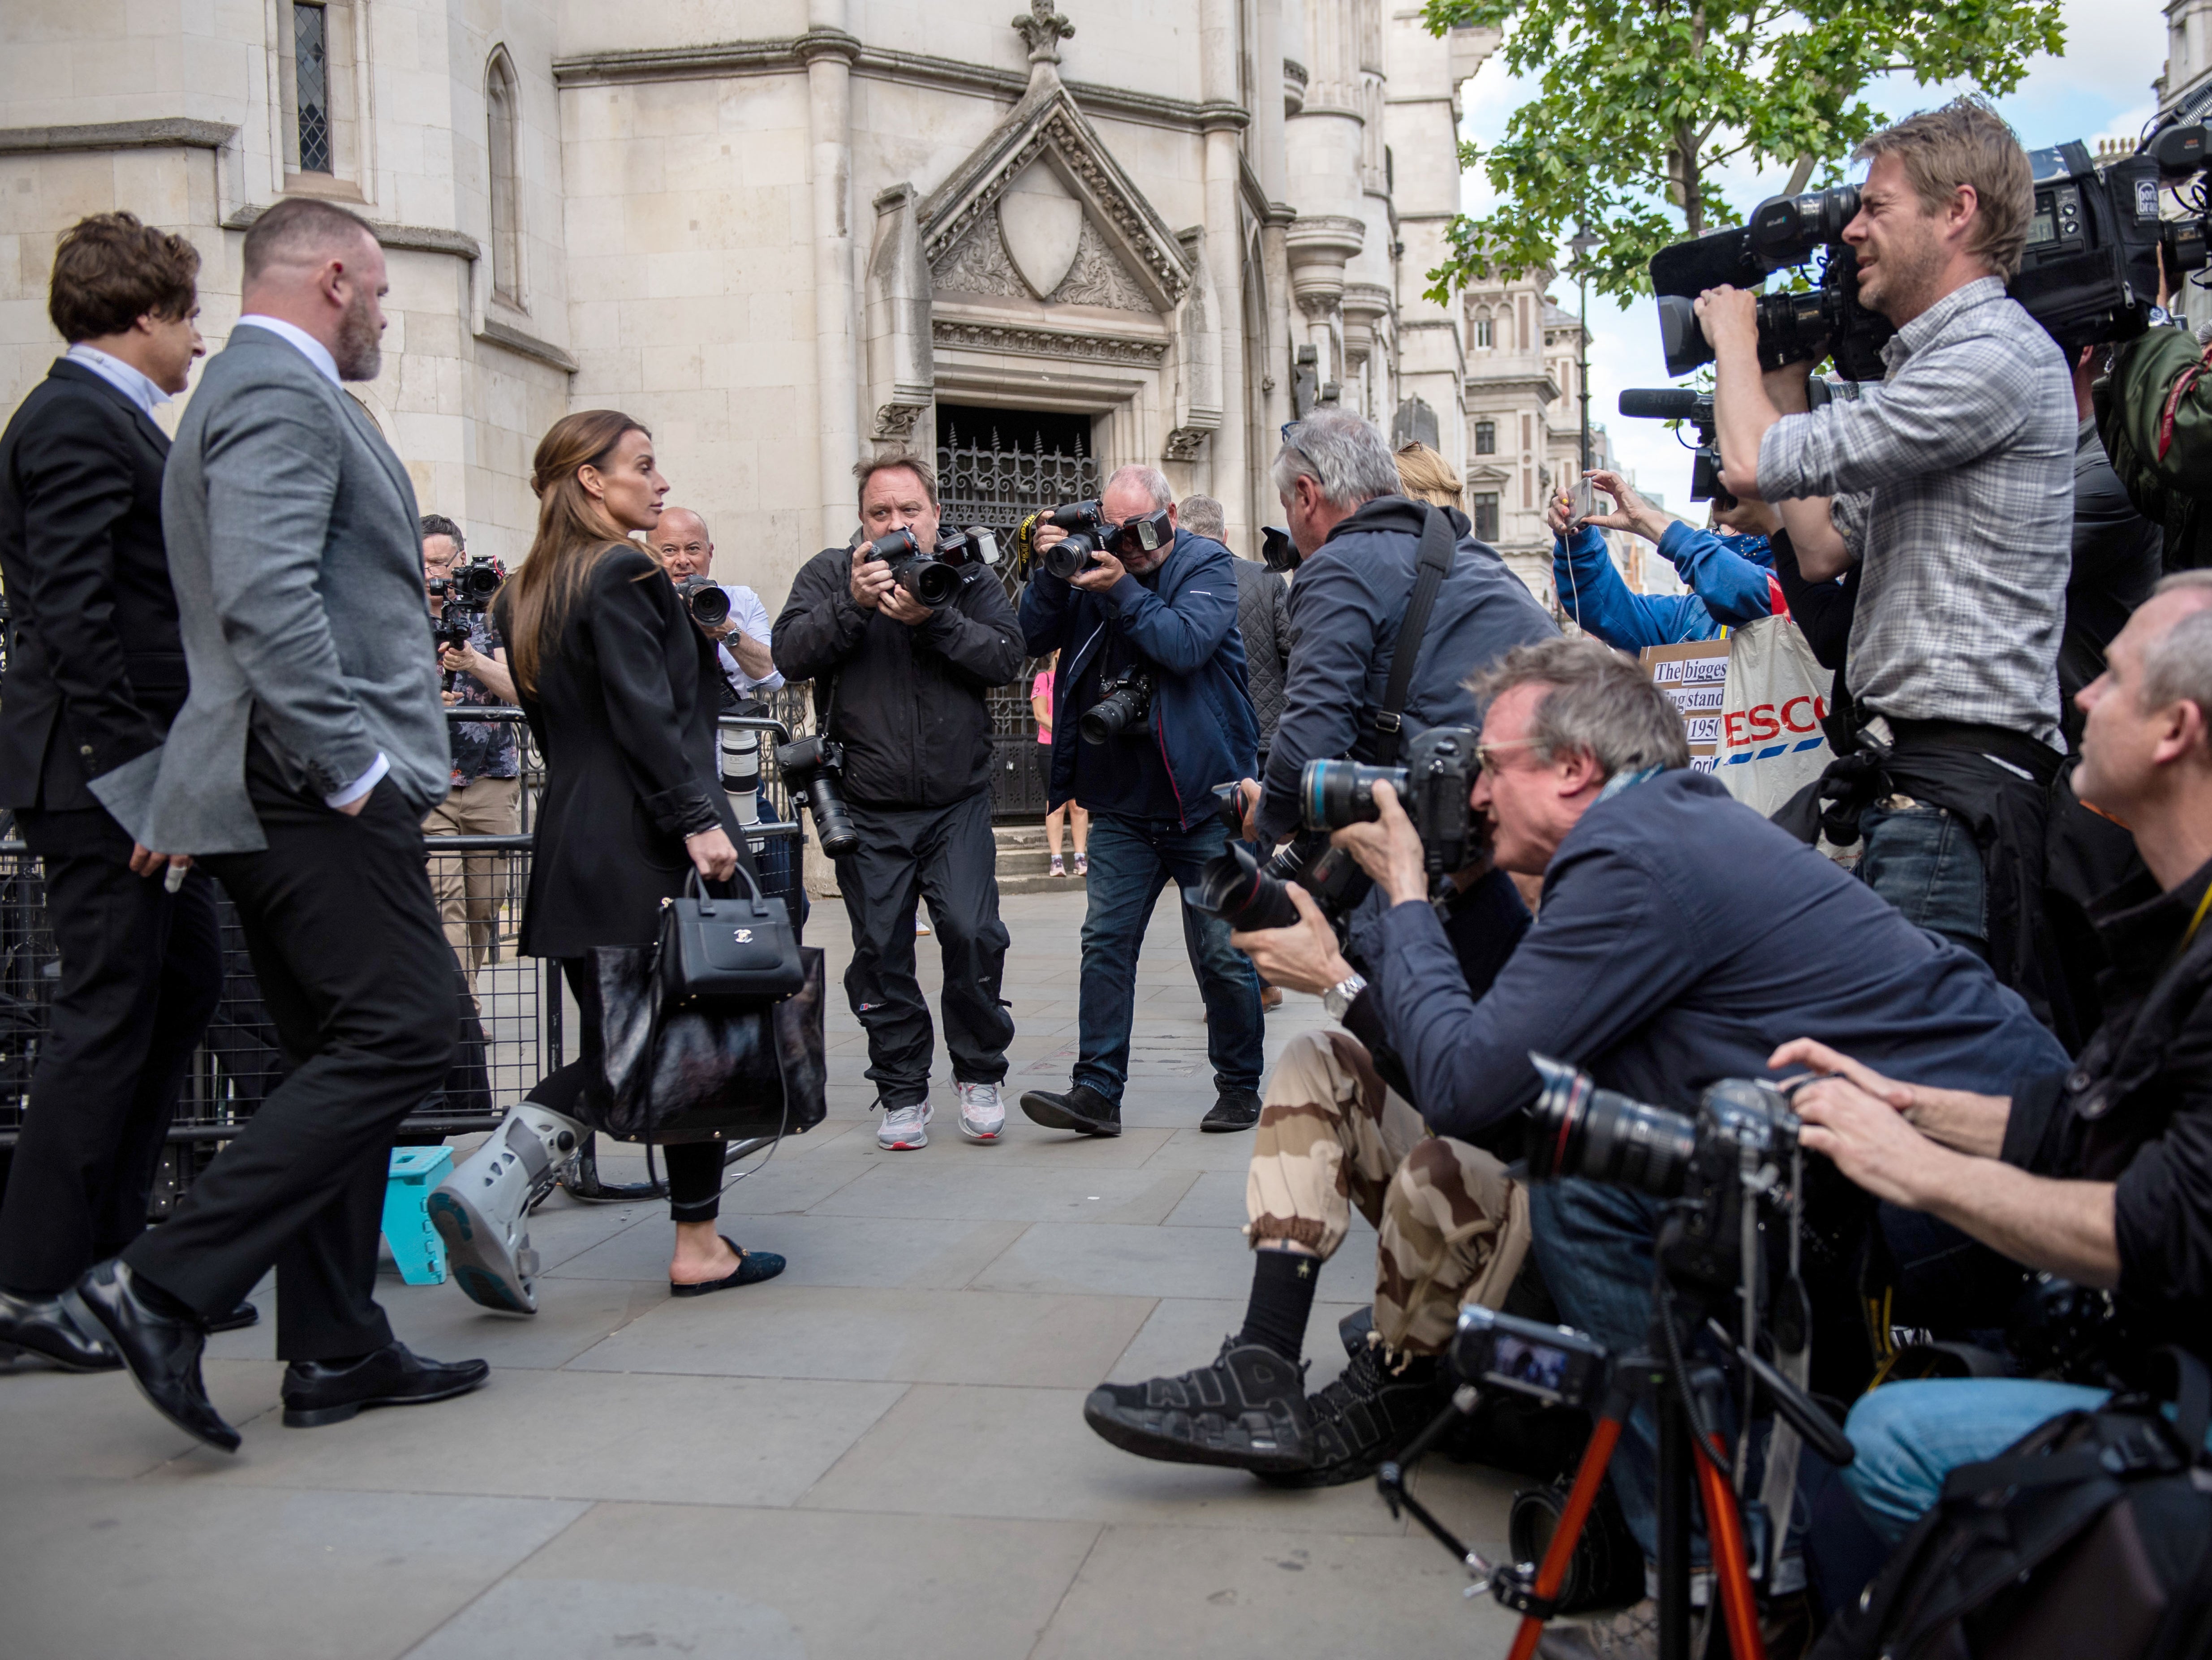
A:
[2090,271]
[934,578]
[1090,532]
[463,594]
[1433,787]
[1696,409]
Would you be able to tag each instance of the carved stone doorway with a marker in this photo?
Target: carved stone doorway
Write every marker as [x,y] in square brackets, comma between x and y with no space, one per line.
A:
[995,467]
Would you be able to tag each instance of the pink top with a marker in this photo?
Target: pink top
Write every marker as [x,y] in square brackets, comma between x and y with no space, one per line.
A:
[1042,687]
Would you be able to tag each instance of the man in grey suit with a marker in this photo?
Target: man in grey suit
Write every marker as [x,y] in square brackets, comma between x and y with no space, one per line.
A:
[298,772]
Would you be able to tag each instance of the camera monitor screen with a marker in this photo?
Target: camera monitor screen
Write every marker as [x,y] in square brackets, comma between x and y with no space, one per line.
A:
[1530,1367]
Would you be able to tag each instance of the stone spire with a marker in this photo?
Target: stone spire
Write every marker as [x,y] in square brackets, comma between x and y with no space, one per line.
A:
[1043,30]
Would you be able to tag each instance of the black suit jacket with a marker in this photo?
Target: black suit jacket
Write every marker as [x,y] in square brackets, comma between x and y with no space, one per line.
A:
[623,713]
[96,665]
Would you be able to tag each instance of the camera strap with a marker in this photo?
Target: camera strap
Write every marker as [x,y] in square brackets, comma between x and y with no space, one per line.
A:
[1437,546]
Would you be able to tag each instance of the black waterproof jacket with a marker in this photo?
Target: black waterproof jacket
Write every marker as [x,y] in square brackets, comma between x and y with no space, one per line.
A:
[2136,1108]
[910,700]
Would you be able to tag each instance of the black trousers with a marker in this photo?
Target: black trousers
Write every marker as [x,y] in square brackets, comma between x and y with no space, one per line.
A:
[946,856]
[141,970]
[695,1168]
[362,986]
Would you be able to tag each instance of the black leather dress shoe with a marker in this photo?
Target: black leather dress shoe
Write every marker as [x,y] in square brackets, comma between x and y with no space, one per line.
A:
[1081,1109]
[161,1348]
[31,1324]
[318,1392]
[1233,1109]
[238,1319]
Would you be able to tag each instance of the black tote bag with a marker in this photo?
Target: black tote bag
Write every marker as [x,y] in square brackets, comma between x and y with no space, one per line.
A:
[706,1074]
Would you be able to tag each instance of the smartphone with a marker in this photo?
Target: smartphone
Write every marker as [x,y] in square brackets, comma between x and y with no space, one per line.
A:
[1581,500]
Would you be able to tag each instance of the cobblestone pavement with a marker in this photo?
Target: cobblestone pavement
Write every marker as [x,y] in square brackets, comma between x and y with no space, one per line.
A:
[880,1453]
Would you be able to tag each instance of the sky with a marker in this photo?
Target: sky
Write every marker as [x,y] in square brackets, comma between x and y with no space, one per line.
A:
[2100,87]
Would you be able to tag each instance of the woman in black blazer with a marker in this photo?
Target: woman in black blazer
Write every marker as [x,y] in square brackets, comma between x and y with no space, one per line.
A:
[621,689]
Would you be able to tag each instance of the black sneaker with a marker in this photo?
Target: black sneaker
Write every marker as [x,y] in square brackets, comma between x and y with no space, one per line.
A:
[1235,1110]
[1081,1109]
[1246,1411]
[1366,1417]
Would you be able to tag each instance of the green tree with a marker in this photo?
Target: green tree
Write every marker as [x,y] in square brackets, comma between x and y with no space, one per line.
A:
[1643,101]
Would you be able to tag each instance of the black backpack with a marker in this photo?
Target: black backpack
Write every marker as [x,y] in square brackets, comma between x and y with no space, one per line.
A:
[2089,1536]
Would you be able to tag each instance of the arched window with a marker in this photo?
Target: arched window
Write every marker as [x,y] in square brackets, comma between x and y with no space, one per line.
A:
[502,114]
[1484,336]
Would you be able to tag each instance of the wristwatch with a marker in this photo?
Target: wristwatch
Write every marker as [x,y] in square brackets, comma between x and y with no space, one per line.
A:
[1338,999]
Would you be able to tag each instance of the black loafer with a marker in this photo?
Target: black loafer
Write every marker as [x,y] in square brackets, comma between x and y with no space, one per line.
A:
[1233,1109]
[1082,1109]
[238,1319]
[753,1267]
[316,1392]
[159,1345]
[31,1324]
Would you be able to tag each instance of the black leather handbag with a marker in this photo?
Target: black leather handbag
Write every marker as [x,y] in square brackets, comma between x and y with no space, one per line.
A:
[714,952]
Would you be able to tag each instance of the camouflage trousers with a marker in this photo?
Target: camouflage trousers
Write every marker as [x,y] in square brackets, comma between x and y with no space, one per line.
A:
[1454,1229]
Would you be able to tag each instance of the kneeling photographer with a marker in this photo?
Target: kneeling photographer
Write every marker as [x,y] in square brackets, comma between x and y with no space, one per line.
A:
[2101,1175]
[1152,715]
[1682,937]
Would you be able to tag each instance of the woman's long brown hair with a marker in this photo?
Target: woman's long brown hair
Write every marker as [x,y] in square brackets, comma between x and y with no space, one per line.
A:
[574,533]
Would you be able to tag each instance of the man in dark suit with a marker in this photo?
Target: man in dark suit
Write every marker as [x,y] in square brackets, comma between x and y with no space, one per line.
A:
[96,674]
[298,771]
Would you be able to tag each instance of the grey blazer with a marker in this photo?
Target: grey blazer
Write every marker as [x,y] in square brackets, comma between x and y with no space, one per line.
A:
[291,530]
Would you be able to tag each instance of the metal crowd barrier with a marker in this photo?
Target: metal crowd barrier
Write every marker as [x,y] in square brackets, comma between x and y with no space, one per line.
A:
[512,1028]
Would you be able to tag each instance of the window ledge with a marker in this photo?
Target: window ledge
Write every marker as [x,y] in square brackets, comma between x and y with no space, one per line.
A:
[506,334]
[327,186]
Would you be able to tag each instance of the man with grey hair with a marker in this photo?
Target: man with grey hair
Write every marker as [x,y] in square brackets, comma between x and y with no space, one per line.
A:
[1670,951]
[1360,542]
[1151,713]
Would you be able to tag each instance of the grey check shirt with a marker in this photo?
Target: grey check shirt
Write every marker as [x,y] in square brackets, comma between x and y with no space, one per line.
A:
[1954,487]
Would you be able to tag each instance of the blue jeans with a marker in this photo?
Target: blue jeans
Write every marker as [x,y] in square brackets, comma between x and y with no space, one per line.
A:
[1910,1436]
[1923,861]
[1131,861]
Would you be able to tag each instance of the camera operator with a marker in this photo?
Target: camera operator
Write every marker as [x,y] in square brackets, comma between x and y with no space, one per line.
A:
[1168,614]
[486,799]
[2154,417]
[1730,577]
[902,687]
[1672,943]
[1951,484]
[745,640]
[2099,1174]
[1360,539]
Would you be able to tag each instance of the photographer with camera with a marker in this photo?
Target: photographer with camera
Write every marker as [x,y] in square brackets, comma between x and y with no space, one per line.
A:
[743,640]
[1360,539]
[1152,715]
[486,799]
[1951,483]
[2101,1174]
[1672,945]
[902,729]
[1730,577]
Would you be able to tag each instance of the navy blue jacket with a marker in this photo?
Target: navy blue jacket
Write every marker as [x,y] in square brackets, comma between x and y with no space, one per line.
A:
[1185,626]
[1680,939]
[1348,602]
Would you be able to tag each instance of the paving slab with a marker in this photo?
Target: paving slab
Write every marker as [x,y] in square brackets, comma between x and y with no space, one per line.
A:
[980,1189]
[1133,1262]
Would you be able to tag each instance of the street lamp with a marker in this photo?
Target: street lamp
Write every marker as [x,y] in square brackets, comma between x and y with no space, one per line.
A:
[1582,242]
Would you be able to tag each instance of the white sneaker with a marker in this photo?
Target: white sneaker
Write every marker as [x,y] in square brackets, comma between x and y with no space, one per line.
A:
[904,1128]
[982,1114]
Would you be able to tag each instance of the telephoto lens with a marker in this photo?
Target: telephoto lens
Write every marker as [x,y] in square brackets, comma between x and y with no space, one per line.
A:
[741,770]
[1334,793]
[809,768]
[1233,886]
[1128,698]
[932,581]
[1577,1128]
[709,605]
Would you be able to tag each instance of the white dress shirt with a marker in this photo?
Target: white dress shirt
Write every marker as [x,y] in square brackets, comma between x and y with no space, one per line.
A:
[137,387]
[326,366]
[750,618]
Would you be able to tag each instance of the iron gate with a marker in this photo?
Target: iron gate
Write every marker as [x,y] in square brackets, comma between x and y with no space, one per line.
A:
[994,468]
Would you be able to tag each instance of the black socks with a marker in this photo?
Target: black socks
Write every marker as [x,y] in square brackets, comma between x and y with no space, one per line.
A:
[1283,1284]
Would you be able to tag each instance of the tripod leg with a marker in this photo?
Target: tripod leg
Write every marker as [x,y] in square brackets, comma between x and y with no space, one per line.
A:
[1731,1575]
[1674,1459]
[1553,1572]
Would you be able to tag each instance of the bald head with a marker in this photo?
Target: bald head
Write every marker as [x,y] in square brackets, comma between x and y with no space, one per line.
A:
[2147,742]
[682,540]
[314,265]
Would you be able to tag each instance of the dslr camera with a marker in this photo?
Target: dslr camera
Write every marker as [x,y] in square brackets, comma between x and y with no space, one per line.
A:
[1433,786]
[463,594]
[813,770]
[1124,703]
[1249,895]
[934,577]
[1091,533]
[708,605]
